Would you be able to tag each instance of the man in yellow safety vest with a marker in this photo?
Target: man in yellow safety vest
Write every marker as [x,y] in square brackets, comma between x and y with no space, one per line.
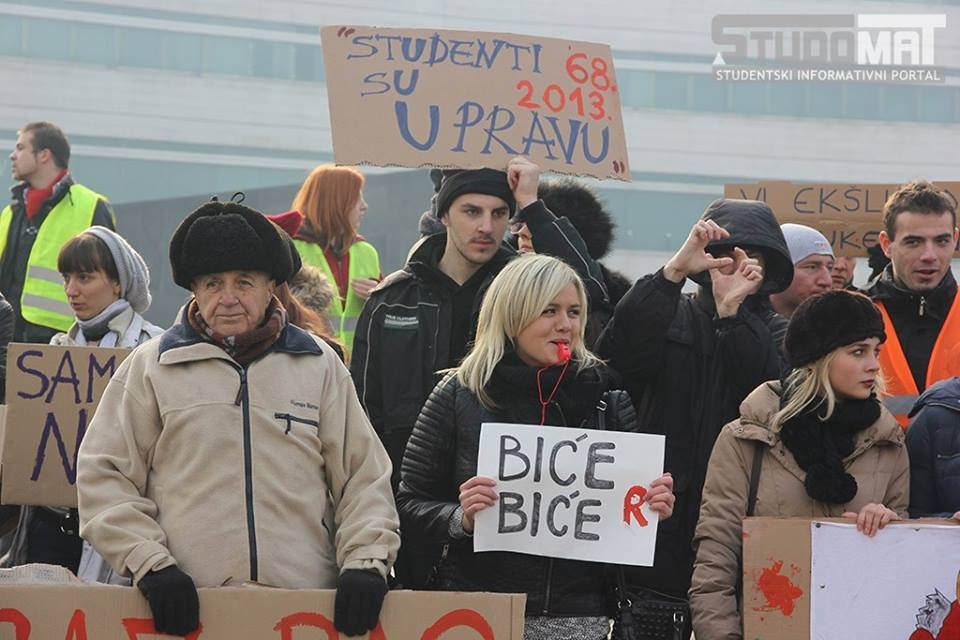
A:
[48,209]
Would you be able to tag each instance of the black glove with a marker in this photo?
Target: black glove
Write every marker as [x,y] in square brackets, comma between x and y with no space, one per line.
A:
[359,598]
[173,600]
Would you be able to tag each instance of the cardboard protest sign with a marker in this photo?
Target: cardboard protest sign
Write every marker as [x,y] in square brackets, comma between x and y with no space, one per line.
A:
[423,97]
[52,393]
[823,579]
[569,493]
[121,613]
[849,215]
[3,428]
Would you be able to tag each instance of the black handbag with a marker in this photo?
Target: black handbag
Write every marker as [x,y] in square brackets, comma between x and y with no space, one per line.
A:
[644,614]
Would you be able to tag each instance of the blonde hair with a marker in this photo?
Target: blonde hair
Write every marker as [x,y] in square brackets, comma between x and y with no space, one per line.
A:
[325,200]
[805,384]
[517,297]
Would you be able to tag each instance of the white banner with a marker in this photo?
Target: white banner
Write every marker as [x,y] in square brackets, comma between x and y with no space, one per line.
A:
[889,586]
[569,493]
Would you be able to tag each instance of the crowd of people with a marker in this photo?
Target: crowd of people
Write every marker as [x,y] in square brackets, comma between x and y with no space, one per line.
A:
[307,422]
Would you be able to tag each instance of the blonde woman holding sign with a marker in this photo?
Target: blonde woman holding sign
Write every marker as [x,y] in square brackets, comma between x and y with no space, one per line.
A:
[528,365]
[817,444]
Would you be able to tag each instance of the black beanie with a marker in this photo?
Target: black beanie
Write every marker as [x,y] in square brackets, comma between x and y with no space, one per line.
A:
[829,320]
[227,236]
[486,181]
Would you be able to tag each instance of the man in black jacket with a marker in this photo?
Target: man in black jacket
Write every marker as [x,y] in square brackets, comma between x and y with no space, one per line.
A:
[420,319]
[917,294]
[688,361]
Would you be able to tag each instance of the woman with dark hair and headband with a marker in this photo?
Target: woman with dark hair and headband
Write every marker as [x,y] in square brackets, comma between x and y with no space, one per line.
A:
[108,286]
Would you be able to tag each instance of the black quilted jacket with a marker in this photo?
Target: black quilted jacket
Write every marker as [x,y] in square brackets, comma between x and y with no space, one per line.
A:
[442,453]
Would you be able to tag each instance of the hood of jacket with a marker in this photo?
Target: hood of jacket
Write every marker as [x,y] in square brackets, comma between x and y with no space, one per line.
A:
[751,224]
[570,199]
[945,393]
[312,288]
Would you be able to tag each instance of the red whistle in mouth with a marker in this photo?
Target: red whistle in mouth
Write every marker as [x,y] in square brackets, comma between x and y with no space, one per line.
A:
[563,352]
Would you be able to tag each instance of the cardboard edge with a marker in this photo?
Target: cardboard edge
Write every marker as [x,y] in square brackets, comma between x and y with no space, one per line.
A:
[518,601]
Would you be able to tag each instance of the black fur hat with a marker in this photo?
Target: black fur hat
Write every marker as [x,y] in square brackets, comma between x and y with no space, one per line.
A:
[829,320]
[227,236]
[571,199]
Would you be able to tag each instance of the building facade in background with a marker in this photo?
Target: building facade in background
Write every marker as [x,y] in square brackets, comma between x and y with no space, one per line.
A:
[177,100]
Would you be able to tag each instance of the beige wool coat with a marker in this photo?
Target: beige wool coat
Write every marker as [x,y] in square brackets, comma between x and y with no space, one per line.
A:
[879,463]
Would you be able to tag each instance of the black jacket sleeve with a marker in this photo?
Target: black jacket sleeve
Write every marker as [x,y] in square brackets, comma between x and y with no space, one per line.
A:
[558,237]
[633,341]
[104,216]
[925,500]
[626,415]
[364,367]
[746,352]
[428,493]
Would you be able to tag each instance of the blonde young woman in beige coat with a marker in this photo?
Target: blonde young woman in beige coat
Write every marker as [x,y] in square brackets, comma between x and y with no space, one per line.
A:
[829,449]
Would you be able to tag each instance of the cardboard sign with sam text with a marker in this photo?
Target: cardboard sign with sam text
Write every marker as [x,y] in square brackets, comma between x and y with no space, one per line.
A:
[52,393]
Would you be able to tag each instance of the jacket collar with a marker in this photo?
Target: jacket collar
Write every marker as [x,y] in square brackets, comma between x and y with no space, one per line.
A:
[175,340]
[18,190]
[424,259]
[938,299]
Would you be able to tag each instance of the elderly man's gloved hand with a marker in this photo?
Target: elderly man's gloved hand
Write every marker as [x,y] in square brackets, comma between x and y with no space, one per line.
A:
[360,596]
[173,600]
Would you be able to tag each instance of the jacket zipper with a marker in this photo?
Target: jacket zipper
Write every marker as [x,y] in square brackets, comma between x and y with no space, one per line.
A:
[546,595]
[923,305]
[243,401]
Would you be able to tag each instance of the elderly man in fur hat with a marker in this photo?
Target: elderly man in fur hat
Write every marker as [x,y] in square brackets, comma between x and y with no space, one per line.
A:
[217,446]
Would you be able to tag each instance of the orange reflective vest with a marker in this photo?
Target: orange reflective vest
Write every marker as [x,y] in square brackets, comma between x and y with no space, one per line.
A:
[901,389]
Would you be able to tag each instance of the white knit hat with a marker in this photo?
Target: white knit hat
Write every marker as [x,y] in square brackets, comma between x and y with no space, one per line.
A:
[804,241]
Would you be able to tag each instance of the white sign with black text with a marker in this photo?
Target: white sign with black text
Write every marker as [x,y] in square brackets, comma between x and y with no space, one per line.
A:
[566,492]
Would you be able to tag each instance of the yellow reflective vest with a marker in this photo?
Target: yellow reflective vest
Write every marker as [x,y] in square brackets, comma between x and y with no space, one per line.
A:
[364,263]
[43,301]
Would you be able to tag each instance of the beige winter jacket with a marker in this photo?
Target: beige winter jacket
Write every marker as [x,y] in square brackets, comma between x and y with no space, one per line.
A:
[192,460]
[879,463]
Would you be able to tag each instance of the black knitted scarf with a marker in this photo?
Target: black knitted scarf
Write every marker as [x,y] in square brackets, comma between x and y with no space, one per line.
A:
[819,447]
[514,387]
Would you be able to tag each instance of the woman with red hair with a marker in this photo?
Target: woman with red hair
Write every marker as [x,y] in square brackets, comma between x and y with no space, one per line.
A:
[331,200]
